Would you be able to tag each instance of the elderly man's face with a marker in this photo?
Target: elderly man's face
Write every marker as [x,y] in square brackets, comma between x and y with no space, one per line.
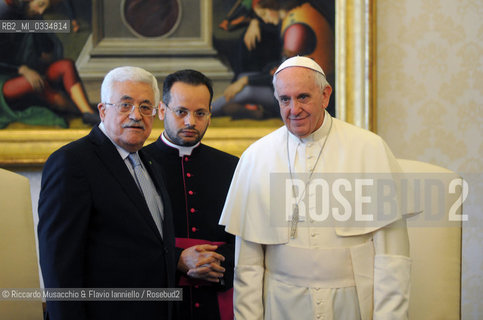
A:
[302,102]
[129,130]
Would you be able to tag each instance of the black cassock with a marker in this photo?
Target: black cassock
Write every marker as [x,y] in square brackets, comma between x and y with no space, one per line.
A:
[197,186]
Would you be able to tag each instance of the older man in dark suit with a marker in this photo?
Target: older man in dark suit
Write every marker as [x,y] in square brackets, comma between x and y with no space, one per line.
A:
[104,216]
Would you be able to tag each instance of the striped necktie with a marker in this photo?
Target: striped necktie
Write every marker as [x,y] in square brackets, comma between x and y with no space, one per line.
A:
[147,190]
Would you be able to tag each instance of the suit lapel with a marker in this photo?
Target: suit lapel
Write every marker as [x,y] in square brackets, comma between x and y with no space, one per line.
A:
[109,155]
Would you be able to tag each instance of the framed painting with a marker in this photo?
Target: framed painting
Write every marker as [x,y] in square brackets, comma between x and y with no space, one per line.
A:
[186,41]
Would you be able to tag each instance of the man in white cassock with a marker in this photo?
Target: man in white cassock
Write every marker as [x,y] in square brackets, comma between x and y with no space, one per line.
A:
[301,268]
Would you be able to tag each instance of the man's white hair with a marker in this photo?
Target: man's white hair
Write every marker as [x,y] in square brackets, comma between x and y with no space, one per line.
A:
[128,73]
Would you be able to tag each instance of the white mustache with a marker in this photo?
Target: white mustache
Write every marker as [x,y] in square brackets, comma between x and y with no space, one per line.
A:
[132,123]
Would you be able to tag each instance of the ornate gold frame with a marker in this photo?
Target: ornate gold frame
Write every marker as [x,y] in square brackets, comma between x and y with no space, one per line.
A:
[355,83]
[356,62]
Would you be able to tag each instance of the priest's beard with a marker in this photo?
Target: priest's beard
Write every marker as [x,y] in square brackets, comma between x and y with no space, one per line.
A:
[180,140]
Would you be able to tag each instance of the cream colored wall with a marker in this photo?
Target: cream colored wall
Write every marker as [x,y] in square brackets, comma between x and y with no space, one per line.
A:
[430,98]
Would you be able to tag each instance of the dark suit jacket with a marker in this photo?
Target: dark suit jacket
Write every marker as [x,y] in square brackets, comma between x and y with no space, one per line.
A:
[96,231]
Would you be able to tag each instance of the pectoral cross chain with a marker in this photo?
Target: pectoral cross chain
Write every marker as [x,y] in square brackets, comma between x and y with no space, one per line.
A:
[295,220]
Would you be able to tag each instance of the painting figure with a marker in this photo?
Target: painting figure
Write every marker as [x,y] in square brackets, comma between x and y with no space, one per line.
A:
[259,44]
[71,12]
[305,29]
[37,84]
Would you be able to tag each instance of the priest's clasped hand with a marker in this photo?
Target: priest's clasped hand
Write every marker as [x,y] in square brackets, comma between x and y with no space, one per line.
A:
[202,262]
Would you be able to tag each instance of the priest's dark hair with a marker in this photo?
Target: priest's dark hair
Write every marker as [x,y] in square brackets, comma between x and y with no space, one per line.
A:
[188,76]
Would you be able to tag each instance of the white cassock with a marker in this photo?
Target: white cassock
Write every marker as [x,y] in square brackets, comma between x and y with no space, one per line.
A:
[340,272]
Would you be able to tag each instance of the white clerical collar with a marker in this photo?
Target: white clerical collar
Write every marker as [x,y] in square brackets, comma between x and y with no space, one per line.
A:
[316,138]
[318,134]
[122,152]
[183,150]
